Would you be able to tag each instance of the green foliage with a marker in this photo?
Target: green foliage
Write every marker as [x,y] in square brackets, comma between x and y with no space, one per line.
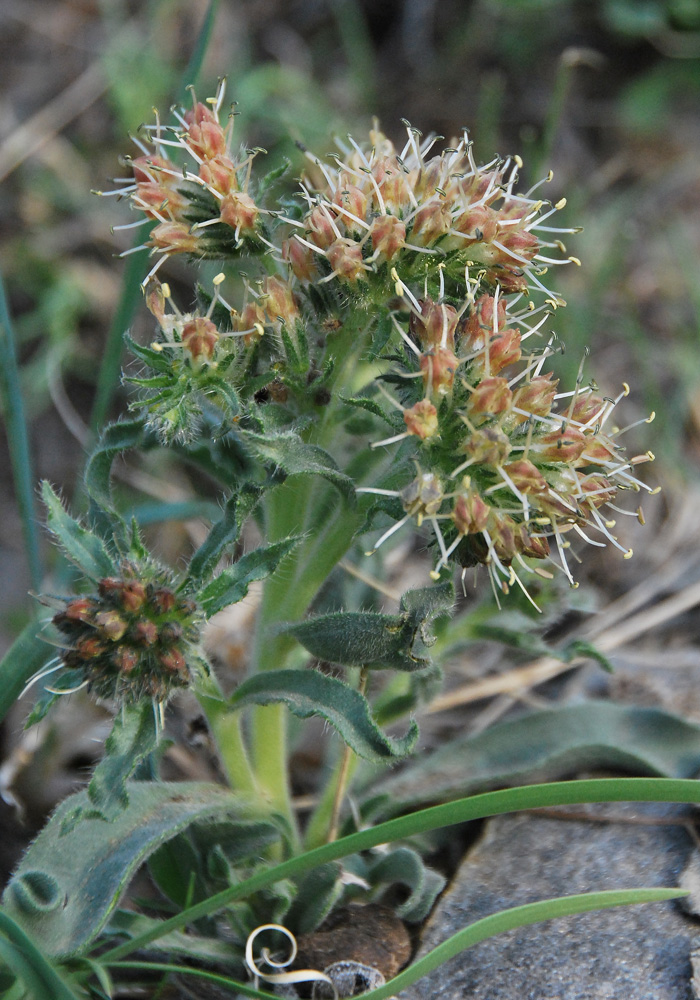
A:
[231,585]
[558,740]
[81,546]
[93,861]
[378,642]
[308,693]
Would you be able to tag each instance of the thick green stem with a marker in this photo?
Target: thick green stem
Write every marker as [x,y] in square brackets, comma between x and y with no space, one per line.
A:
[307,506]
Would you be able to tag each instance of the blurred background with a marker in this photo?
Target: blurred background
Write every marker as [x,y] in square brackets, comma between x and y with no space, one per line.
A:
[604,92]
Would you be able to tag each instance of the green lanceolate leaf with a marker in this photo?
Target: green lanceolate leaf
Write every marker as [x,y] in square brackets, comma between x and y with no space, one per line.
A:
[128,924]
[223,534]
[29,964]
[86,869]
[81,546]
[307,693]
[406,867]
[25,657]
[232,585]
[287,452]
[379,642]
[134,736]
[115,438]
[560,740]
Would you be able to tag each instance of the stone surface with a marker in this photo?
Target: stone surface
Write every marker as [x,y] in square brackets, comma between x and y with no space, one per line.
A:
[628,953]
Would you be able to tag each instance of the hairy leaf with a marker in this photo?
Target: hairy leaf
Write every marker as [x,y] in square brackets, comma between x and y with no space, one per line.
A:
[115,438]
[93,863]
[134,735]
[560,740]
[81,546]
[232,584]
[380,642]
[286,451]
[316,896]
[405,866]
[307,693]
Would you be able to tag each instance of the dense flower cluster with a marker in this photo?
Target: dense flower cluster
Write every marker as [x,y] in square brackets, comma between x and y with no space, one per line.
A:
[444,259]
[130,640]
[203,206]
[377,206]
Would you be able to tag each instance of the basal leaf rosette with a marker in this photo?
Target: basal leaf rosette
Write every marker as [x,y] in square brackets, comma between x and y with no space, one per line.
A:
[508,467]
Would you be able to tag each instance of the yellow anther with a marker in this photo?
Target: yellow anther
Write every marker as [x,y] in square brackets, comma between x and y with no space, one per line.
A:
[219,278]
[560,204]
[259,329]
[519,163]
[626,388]
[651,456]
[575,260]
[654,492]
[640,515]
[628,554]
[550,176]
[166,289]
[650,419]
[610,524]
[434,575]
[155,346]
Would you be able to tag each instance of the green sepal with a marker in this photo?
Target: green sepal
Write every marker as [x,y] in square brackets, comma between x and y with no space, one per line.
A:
[378,642]
[308,692]
[94,862]
[381,335]
[286,451]
[232,584]
[81,547]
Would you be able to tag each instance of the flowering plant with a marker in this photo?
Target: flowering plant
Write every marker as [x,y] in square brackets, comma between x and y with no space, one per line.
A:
[381,360]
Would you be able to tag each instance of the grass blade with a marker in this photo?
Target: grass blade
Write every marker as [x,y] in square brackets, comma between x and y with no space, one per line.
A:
[18,440]
[27,655]
[517,916]
[29,964]
[463,810]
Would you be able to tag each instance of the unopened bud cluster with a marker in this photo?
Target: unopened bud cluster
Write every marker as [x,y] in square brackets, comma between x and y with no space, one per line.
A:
[132,639]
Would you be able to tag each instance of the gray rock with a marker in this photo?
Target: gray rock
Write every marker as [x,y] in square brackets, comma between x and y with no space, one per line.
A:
[629,953]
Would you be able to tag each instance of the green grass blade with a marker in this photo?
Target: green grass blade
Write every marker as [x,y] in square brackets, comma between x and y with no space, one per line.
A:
[110,369]
[27,655]
[463,810]
[29,964]
[517,916]
[209,977]
[194,65]
[18,440]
